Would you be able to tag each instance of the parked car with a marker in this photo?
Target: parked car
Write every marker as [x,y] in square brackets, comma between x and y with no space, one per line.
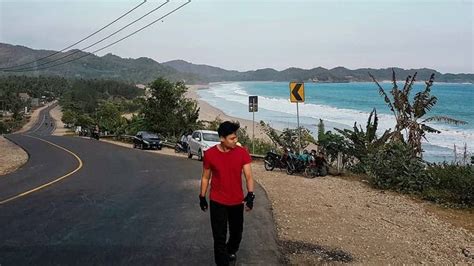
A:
[147,140]
[200,141]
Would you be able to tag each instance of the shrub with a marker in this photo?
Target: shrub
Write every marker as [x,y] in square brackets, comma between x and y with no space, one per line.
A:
[456,184]
[395,167]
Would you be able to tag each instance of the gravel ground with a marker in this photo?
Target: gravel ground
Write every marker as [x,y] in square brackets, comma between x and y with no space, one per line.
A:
[333,219]
[11,156]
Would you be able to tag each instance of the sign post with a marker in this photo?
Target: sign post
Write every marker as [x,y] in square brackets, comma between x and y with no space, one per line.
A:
[297,96]
[253,107]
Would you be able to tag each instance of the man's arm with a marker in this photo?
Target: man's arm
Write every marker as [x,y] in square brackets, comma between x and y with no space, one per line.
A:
[248,177]
[249,180]
[206,175]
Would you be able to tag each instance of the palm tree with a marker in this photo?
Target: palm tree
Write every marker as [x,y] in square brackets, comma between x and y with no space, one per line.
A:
[409,116]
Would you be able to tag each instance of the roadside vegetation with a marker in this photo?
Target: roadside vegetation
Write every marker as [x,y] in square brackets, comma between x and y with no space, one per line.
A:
[12,105]
[392,159]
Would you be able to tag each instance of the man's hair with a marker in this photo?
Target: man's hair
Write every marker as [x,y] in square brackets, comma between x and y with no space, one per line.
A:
[226,128]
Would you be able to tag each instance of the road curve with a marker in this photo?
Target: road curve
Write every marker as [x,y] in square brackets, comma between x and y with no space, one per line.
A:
[122,206]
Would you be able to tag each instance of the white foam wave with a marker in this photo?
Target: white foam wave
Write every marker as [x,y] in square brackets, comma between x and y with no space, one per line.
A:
[236,93]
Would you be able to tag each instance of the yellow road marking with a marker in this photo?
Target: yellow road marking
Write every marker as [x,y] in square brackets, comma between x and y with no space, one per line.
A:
[49,183]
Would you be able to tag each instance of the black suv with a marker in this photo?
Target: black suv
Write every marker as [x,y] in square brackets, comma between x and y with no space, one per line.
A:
[147,140]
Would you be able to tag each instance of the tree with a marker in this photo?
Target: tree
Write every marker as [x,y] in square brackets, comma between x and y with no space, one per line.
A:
[289,137]
[331,143]
[69,117]
[409,115]
[212,125]
[168,111]
[108,117]
[135,124]
[84,120]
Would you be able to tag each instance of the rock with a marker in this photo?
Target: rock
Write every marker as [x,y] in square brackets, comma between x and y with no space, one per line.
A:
[468,252]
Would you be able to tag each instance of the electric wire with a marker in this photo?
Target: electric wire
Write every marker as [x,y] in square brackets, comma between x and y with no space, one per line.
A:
[107,46]
[85,48]
[83,39]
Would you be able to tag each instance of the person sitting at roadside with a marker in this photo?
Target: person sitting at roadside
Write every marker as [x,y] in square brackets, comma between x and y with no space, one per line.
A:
[321,164]
[304,157]
[184,141]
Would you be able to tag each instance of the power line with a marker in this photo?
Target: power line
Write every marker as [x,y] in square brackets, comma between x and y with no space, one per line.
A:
[85,48]
[55,53]
[98,50]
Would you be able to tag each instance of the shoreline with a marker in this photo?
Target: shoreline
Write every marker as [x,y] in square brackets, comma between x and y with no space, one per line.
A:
[208,112]
[439,147]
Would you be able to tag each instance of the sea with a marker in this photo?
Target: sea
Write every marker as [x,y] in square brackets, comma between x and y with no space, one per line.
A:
[339,105]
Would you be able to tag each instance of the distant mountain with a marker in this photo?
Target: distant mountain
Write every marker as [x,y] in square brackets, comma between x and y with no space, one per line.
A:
[320,74]
[144,70]
[209,72]
[140,70]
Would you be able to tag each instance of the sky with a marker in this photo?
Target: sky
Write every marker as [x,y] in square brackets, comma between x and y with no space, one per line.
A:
[252,34]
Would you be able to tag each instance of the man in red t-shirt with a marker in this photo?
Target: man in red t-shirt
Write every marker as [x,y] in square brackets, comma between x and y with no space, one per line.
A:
[224,164]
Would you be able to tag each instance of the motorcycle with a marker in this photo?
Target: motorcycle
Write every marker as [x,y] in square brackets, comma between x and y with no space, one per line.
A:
[295,164]
[180,147]
[273,160]
[95,135]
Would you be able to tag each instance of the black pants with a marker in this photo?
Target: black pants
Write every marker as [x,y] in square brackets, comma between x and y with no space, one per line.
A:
[221,215]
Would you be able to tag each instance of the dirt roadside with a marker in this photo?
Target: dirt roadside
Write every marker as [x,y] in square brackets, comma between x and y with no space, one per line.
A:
[33,119]
[11,155]
[373,226]
[57,114]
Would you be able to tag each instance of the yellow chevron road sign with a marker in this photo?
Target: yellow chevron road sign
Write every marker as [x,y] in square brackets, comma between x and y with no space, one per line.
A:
[297,92]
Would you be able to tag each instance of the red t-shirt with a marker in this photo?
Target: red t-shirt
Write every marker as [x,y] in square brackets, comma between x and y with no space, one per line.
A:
[226,178]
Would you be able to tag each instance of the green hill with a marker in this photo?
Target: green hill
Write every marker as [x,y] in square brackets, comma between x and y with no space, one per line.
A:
[141,70]
[338,74]
[144,70]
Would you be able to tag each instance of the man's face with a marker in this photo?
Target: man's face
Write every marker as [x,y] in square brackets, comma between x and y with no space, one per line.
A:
[230,141]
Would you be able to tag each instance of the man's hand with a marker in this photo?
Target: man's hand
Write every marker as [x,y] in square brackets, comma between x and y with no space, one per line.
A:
[203,203]
[249,201]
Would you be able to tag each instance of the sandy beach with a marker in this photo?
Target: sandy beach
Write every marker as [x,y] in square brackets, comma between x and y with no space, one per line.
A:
[209,113]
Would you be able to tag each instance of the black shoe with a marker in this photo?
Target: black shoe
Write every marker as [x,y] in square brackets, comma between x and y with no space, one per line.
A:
[232,257]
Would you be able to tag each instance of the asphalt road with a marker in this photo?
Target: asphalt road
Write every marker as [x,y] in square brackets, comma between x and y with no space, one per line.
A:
[79,201]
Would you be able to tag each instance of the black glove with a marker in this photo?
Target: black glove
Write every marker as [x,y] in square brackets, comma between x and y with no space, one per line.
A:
[249,200]
[203,203]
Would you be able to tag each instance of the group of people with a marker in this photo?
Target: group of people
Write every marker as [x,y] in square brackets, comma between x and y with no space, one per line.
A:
[184,140]
[315,160]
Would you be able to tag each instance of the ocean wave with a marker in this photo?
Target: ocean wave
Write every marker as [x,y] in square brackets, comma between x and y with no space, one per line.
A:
[234,92]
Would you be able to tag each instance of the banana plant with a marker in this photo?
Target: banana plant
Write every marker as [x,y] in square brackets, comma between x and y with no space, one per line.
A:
[410,115]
